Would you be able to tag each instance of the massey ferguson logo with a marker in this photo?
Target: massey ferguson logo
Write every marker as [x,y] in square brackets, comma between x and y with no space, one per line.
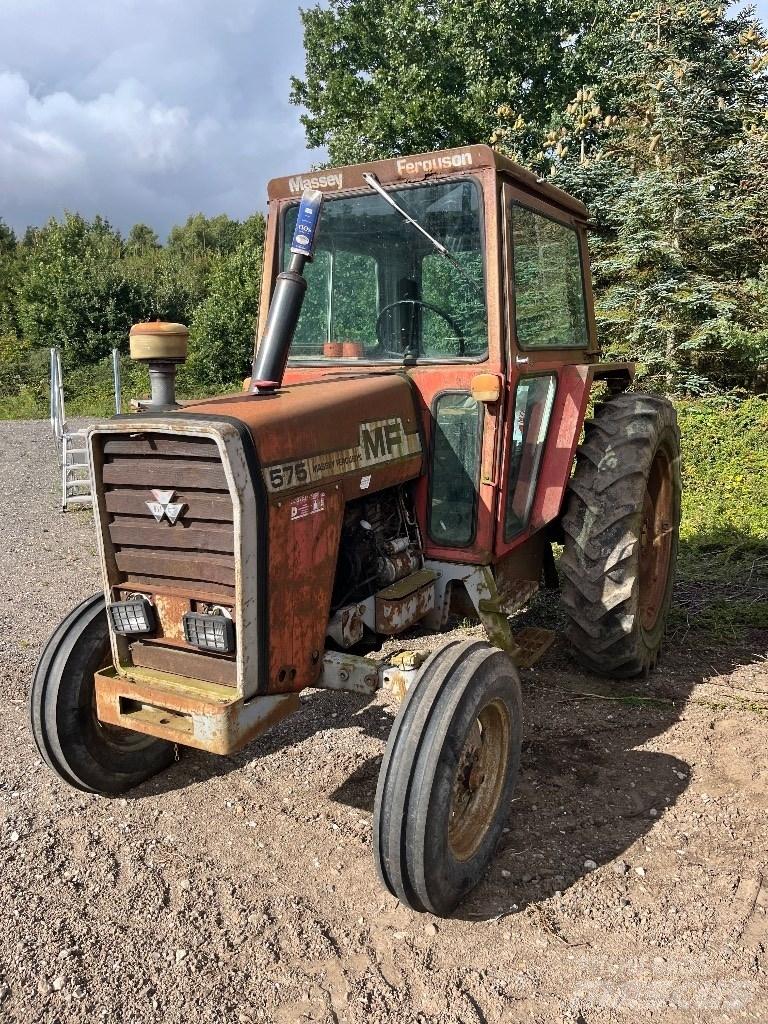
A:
[300,183]
[381,441]
[164,507]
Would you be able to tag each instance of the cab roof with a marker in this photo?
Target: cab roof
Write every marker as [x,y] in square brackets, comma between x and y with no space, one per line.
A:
[421,167]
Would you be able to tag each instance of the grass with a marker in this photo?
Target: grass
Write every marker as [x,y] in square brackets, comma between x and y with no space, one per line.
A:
[725,482]
[723,560]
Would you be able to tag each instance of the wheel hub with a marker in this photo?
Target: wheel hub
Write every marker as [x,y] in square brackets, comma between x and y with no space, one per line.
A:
[479,781]
[655,539]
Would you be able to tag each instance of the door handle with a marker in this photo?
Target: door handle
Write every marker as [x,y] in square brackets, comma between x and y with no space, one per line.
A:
[521,360]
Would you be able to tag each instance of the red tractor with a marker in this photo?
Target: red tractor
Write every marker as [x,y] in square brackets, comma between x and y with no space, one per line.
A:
[408,447]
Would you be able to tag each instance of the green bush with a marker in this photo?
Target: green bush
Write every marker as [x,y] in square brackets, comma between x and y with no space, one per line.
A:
[725,479]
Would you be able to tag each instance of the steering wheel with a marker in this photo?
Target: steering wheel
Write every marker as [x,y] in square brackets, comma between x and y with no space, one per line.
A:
[425,305]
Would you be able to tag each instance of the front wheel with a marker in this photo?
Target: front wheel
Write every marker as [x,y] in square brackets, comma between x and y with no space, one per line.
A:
[447,777]
[82,751]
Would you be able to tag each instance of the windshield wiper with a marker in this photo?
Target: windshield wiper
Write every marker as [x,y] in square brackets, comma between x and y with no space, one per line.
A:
[376,185]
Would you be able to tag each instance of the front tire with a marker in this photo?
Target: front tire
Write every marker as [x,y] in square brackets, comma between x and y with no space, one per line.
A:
[88,755]
[447,777]
[621,527]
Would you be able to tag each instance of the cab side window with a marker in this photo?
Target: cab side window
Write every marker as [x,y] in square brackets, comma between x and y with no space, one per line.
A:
[550,308]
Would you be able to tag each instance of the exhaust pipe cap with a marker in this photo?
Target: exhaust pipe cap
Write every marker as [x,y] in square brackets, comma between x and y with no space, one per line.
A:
[162,346]
[159,340]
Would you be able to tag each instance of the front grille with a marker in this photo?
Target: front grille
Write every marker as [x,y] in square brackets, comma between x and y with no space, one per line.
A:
[194,554]
[183,565]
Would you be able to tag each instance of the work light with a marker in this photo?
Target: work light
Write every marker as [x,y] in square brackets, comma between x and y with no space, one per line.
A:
[134,616]
[210,632]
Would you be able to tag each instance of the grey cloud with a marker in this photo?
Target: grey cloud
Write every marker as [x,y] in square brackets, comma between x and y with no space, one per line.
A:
[146,109]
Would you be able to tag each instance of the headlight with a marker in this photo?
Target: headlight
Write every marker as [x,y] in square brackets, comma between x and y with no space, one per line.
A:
[134,616]
[210,632]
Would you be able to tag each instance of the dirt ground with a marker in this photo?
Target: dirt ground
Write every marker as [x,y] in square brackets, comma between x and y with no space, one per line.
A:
[631,885]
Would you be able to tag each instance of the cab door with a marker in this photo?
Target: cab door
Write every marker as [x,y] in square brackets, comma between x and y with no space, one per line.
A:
[551,337]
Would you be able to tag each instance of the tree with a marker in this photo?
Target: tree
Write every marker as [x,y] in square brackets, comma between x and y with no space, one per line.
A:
[9,274]
[223,324]
[73,292]
[202,235]
[141,239]
[7,239]
[383,79]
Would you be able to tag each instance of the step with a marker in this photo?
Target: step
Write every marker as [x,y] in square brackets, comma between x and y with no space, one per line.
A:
[532,643]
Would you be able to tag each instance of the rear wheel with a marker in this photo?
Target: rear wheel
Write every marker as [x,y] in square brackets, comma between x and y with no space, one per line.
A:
[621,528]
[81,750]
[447,777]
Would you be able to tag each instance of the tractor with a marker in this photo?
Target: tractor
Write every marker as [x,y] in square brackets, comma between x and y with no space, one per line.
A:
[412,442]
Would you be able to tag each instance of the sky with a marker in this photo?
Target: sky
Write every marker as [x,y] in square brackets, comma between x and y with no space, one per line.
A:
[148,110]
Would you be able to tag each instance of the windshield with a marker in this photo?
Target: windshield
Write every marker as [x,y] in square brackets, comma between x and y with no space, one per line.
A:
[379,290]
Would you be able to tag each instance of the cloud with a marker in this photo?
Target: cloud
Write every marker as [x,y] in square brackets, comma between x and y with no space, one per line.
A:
[146,110]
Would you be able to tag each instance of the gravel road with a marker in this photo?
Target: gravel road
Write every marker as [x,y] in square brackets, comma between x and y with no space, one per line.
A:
[632,884]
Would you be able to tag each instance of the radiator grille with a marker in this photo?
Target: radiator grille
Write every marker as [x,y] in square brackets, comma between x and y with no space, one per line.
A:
[195,555]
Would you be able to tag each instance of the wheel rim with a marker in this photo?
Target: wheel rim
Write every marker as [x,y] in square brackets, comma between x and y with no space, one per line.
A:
[482,769]
[655,540]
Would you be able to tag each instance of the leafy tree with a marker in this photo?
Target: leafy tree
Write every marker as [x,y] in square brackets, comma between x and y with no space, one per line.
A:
[73,292]
[9,273]
[141,239]
[202,234]
[223,324]
[7,239]
[168,284]
[383,79]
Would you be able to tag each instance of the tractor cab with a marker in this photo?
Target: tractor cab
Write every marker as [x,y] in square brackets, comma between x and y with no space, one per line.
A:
[467,274]
[430,276]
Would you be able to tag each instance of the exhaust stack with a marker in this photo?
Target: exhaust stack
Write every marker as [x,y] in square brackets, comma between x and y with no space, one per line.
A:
[287,299]
[162,346]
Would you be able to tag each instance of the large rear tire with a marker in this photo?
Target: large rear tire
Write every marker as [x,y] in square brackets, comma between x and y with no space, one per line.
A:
[81,750]
[621,526]
[447,777]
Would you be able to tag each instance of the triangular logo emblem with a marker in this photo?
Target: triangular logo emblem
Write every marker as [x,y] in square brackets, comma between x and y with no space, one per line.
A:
[165,506]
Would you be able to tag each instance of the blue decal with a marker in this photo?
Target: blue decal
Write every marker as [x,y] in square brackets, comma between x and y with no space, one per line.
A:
[306,222]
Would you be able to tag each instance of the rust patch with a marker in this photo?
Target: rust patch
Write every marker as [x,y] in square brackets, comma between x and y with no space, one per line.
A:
[170,612]
[178,658]
[203,716]
[405,602]
[532,643]
[302,562]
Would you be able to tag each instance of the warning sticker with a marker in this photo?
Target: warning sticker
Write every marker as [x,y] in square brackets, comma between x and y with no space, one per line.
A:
[307,505]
